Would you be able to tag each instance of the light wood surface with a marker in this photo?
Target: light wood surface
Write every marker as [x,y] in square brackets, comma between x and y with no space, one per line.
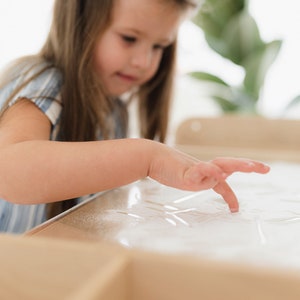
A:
[46,268]
[242,136]
[38,269]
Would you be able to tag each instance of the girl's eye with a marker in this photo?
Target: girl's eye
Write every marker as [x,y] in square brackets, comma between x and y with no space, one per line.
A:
[159,47]
[128,39]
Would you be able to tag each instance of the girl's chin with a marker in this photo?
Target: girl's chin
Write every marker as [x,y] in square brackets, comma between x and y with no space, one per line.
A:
[114,95]
[122,92]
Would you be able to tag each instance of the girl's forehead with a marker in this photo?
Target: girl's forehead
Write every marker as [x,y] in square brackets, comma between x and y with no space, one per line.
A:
[156,16]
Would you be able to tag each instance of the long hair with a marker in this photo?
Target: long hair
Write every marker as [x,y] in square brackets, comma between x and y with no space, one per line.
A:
[69,47]
[76,26]
[155,96]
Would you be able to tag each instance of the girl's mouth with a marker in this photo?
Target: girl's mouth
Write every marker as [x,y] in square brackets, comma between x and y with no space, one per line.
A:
[127,77]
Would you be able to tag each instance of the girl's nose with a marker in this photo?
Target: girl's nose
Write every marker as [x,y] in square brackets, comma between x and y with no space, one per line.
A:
[141,58]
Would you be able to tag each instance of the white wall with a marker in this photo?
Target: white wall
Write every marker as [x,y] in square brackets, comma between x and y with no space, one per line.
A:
[23,27]
[280,20]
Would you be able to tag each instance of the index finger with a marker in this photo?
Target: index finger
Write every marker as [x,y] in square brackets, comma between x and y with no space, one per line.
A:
[228,195]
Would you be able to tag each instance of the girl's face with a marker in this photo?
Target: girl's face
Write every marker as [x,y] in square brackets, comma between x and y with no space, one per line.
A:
[129,51]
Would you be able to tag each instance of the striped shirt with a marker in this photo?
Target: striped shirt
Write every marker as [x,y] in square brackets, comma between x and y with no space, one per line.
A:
[44,92]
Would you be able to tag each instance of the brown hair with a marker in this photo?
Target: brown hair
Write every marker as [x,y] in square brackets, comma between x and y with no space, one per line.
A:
[70,44]
[69,47]
[155,96]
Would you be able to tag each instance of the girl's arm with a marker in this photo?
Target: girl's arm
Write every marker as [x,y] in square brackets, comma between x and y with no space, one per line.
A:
[36,170]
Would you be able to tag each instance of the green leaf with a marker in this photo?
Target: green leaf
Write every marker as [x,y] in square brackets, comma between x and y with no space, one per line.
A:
[242,37]
[233,33]
[226,104]
[215,14]
[218,45]
[204,76]
[257,65]
[246,102]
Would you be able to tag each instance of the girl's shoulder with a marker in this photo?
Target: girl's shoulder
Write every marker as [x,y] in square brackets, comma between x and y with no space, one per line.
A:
[32,68]
[34,79]
[31,77]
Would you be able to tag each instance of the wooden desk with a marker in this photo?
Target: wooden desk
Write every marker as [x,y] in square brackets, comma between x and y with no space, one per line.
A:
[149,216]
[240,135]
[88,221]
[217,264]
[45,268]
[205,138]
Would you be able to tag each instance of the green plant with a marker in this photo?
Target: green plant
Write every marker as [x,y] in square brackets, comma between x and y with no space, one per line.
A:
[232,32]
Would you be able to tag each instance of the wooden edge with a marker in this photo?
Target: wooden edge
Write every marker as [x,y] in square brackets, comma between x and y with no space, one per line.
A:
[210,152]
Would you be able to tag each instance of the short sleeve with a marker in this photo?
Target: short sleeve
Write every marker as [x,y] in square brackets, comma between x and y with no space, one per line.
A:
[43,91]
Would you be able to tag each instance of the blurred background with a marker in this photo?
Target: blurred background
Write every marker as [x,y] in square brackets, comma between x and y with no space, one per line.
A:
[235,56]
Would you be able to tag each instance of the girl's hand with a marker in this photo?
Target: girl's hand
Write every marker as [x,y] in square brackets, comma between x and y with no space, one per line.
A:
[230,165]
[227,166]
[183,172]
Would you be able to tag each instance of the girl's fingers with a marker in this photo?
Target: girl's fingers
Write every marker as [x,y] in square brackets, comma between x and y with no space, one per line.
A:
[205,169]
[228,195]
[230,165]
[212,175]
[203,176]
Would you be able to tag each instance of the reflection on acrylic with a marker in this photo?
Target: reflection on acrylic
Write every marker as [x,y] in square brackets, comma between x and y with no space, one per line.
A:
[154,217]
